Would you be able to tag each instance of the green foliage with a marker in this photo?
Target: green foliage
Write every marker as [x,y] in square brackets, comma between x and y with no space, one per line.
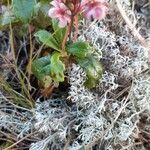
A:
[45,1]
[21,12]
[57,68]
[46,38]
[79,49]
[24,9]
[48,69]
[58,32]
[93,70]
[86,60]
[54,67]
[41,67]
[52,40]
[41,19]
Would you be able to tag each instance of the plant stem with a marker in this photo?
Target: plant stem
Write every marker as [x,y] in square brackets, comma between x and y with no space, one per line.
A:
[67,34]
[76,28]
[30,55]
[63,52]
[135,32]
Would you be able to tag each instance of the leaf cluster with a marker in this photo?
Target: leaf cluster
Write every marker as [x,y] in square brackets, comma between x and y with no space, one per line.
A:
[21,12]
[50,69]
[54,65]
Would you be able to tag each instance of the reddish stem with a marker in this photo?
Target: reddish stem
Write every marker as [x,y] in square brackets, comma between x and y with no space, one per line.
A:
[76,27]
[68,32]
[74,17]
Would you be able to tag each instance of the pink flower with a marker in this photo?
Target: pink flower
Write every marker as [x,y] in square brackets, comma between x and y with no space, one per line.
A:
[60,12]
[94,9]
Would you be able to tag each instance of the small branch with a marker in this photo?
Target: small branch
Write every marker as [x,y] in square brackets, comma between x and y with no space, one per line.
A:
[135,32]
[76,27]
[11,146]
[67,34]
[64,41]
[30,56]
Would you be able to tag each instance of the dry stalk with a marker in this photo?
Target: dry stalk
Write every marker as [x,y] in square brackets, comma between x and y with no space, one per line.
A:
[11,146]
[134,31]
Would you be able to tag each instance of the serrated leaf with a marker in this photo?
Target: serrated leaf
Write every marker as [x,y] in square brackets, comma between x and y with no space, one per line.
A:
[41,67]
[93,70]
[42,20]
[57,68]
[79,49]
[46,38]
[24,9]
[58,32]
[49,68]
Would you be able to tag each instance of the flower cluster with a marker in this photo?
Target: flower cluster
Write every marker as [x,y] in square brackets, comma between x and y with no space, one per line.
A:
[64,10]
[61,12]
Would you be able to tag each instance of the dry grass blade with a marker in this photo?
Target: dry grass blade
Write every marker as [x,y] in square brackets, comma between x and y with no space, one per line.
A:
[134,31]
[15,97]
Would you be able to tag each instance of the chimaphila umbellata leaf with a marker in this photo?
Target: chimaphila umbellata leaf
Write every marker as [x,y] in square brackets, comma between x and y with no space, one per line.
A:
[46,38]
[41,67]
[24,9]
[57,68]
[93,69]
[79,49]
[59,33]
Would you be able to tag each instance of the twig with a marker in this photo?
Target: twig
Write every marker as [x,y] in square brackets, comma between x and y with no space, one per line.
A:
[16,106]
[131,145]
[67,34]
[76,22]
[135,32]
[110,127]
[11,146]
[30,58]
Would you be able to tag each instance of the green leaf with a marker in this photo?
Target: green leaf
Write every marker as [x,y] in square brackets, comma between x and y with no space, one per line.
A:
[41,67]
[58,32]
[57,68]
[24,9]
[93,70]
[42,20]
[45,1]
[46,38]
[79,49]
[48,69]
